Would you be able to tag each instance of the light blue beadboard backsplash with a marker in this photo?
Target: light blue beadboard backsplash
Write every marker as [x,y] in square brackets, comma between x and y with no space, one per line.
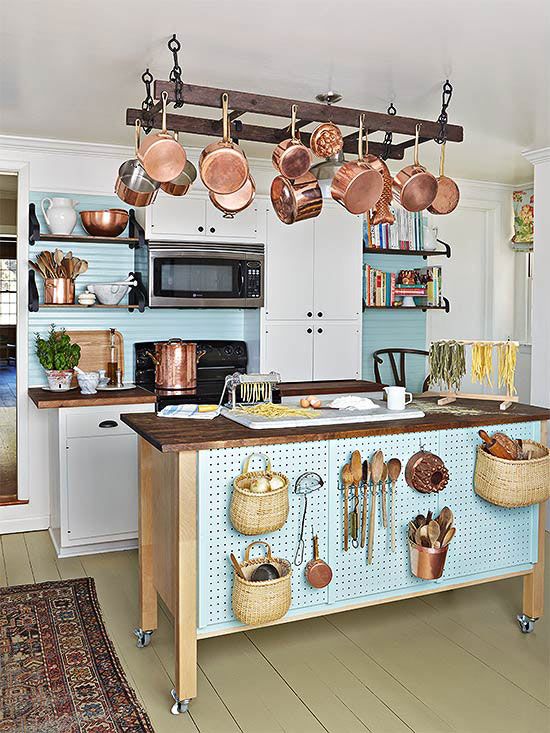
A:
[400,328]
[109,262]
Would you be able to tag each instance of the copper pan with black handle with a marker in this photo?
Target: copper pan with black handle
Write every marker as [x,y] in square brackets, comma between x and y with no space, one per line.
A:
[414,187]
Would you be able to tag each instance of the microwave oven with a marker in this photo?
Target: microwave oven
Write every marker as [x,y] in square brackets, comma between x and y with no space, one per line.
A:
[193,275]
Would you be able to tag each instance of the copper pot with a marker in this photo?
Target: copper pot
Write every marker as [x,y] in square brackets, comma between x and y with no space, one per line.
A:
[179,185]
[133,185]
[448,194]
[427,563]
[414,187]
[222,165]
[58,290]
[357,185]
[162,157]
[233,203]
[291,157]
[326,140]
[296,200]
[106,223]
[175,364]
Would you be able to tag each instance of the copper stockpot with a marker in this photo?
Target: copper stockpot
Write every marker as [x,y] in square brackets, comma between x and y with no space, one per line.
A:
[160,154]
[58,290]
[233,203]
[427,562]
[414,187]
[357,185]
[326,140]
[179,185]
[296,200]
[222,165]
[133,185]
[448,194]
[291,157]
[175,364]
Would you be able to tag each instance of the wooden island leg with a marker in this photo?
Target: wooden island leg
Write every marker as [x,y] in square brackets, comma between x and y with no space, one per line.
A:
[533,584]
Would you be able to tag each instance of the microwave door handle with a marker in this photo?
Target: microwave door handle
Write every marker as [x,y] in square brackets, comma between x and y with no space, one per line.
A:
[241,280]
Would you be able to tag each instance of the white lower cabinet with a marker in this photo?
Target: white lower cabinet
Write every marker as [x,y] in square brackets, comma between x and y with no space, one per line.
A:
[288,349]
[96,506]
[336,349]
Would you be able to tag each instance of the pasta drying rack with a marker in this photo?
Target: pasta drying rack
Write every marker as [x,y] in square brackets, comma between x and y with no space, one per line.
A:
[446,397]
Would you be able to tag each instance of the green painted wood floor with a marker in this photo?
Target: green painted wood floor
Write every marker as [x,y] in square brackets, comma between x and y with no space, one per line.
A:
[449,662]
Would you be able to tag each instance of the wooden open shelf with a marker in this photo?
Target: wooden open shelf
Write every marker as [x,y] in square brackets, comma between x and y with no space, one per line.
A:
[445,307]
[425,253]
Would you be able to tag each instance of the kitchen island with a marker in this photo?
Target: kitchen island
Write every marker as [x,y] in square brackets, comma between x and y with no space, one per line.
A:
[185,536]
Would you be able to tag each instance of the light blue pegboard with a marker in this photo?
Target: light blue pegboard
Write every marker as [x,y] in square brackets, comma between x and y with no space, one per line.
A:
[490,540]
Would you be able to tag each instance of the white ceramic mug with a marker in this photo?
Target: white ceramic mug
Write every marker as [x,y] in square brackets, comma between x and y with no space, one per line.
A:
[396,397]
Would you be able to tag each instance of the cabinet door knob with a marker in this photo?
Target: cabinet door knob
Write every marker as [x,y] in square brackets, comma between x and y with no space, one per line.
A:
[108,424]
[201,229]
[212,230]
[310,330]
[319,330]
[319,315]
[309,314]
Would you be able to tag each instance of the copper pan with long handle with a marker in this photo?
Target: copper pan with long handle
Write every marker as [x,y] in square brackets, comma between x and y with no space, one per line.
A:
[133,185]
[448,194]
[291,157]
[296,200]
[233,203]
[222,165]
[160,154]
[357,185]
[180,185]
[414,187]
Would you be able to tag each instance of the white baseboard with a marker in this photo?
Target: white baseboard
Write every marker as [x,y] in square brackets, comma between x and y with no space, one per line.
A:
[95,548]
[28,524]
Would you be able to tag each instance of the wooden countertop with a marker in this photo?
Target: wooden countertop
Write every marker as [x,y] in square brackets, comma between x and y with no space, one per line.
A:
[340,386]
[44,400]
[173,434]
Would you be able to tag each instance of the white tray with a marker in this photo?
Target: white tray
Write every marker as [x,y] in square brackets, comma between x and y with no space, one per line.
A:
[114,388]
[323,417]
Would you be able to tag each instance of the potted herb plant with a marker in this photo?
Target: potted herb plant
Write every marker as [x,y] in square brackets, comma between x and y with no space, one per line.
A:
[58,356]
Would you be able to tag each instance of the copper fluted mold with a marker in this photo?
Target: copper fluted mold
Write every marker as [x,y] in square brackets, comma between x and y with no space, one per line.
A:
[106,223]
[382,213]
[427,563]
[326,140]
[58,291]
[296,200]
[233,203]
[175,364]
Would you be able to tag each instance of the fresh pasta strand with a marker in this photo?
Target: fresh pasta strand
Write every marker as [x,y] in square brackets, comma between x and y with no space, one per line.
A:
[507,357]
[482,362]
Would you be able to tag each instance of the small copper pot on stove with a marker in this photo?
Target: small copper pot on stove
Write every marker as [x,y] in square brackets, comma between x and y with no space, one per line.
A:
[175,364]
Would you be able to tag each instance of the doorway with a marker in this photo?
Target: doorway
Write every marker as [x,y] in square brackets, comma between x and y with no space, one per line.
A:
[8,338]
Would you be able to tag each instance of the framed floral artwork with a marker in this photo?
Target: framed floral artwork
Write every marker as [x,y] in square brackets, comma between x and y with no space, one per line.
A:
[524,209]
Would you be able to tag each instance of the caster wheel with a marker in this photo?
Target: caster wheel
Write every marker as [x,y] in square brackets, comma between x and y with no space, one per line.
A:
[526,623]
[179,706]
[143,638]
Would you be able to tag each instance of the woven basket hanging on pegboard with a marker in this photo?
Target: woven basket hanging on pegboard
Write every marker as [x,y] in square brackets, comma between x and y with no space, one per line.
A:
[426,473]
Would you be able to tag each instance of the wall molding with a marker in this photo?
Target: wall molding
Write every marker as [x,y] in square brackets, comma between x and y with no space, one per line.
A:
[538,156]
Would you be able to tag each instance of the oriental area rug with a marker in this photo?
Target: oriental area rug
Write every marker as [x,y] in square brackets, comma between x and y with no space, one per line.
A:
[58,669]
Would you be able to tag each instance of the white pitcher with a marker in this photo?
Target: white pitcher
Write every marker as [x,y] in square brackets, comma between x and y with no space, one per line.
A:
[397,397]
[60,215]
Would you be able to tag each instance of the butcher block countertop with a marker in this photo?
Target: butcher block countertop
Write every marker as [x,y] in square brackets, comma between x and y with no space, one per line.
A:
[340,386]
[44,399]
[174,434]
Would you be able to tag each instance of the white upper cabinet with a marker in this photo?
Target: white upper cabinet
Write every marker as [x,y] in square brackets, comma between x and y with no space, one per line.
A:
[194,218]
[289,269]
[337,268]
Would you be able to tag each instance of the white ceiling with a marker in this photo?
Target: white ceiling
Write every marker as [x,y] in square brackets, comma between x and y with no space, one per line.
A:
[69,70]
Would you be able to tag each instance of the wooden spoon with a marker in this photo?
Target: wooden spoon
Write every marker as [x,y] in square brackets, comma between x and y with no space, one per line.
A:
[376,469]
[394,469]
[424,536]
[449,534]
[384,480]
[445,520]
[366,475]
[433,532]
[420,520]
[237,566]
[347,480]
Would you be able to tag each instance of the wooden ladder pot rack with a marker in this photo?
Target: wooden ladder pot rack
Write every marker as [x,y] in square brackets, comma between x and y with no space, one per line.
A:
[260,104]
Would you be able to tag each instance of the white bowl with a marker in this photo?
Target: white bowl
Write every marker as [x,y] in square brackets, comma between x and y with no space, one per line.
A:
[109,293]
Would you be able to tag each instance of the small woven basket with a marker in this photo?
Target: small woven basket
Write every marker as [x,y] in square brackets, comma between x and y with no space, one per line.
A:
[514,483]
[252,513]
[260,602]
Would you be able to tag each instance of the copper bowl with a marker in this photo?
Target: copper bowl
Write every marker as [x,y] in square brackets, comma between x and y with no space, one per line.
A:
[106,223]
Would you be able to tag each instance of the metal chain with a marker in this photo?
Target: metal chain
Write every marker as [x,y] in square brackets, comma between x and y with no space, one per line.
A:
[147,79]
[388,137]
[175,75]
[443,118]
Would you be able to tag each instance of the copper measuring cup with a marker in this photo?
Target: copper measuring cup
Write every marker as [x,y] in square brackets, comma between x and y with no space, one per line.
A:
[357,185]
[414,187]
[162,157]
[291,157]
[296,200]
[448,195]
[222,165]
[133,185]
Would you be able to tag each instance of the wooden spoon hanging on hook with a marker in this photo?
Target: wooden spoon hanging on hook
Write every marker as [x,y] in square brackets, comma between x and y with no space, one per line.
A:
[347,480]
[376,470]
[394,470]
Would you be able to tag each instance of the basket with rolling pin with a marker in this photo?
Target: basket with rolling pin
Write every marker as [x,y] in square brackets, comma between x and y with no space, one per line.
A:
[357,478]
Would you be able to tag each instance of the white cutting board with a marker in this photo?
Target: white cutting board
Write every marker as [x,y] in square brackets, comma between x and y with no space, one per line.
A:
[322,417]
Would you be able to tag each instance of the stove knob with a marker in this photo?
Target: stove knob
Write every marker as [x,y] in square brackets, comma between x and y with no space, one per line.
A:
[228,350]
[239,351]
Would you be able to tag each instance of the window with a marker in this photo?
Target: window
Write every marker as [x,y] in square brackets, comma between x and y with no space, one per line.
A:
[8,292]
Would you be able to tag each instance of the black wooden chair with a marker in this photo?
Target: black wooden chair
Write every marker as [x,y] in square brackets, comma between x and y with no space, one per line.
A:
[399,374]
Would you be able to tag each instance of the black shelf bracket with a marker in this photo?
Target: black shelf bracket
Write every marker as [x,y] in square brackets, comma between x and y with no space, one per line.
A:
[33,292]
[447,247]
[445,307]
[137,295]
[135,230]
[34,226]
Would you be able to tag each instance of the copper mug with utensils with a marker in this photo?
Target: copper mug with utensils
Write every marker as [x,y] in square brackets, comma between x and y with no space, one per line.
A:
[58,291]
[175,364]
[414,187]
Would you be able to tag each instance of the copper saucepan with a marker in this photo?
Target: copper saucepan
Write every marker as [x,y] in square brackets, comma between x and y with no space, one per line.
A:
[222,165]
[133,185]
[162,157]
[357,185]
[291,157]
[414,187]
[448,195]
[180,185]
[296,200]
[175,364]
[233,203]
